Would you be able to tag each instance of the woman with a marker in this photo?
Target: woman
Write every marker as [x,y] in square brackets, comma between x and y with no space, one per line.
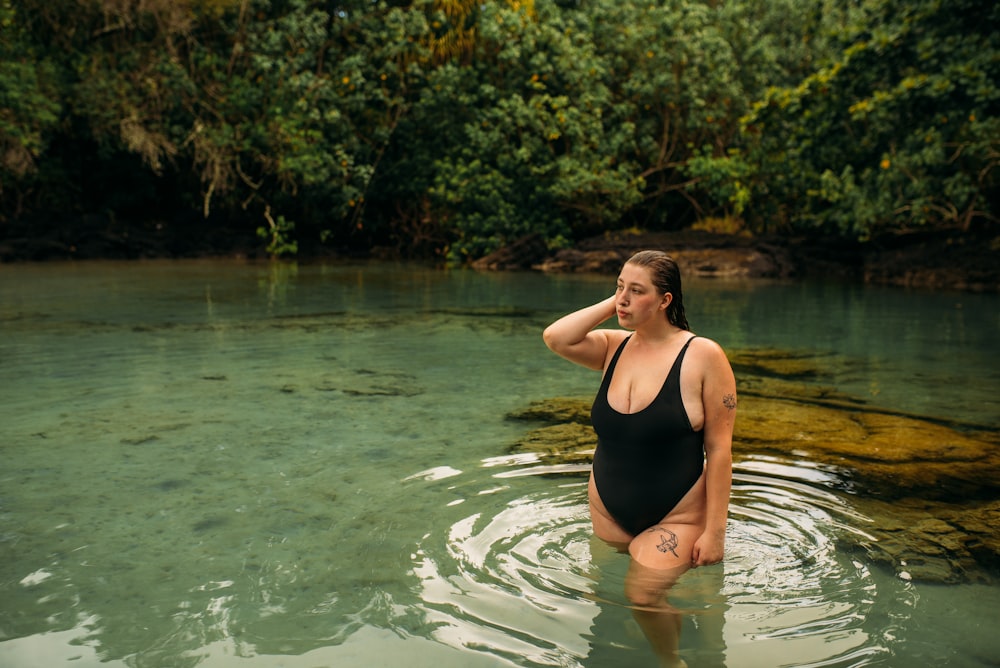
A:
[664,418]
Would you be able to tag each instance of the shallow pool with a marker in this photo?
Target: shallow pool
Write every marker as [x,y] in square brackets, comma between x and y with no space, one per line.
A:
[219,463]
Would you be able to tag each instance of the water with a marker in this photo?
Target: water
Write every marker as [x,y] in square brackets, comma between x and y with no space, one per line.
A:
[236,464]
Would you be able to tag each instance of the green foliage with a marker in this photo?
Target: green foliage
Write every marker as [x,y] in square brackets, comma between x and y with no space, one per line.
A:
[453,127]
[536,154]
[899,131]
[586,119]
[30,109]
[680,85]
[278,235]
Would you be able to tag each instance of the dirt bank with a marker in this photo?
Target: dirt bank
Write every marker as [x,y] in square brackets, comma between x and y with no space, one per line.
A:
[935,261]
[928,261]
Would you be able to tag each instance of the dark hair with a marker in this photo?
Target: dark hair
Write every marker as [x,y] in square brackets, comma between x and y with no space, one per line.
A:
[666,276]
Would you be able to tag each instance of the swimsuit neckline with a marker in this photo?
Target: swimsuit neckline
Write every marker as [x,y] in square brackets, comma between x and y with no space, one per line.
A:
[614,366]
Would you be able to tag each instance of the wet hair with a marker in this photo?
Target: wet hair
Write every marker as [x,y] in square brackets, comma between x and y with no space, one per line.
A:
[666,277]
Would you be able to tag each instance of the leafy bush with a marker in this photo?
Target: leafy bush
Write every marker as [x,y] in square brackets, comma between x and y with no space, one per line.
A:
[452,127]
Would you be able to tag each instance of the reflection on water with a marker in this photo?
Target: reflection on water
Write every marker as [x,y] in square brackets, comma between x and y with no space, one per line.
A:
[513,582]
[785,573]
[527,581]
[215,464]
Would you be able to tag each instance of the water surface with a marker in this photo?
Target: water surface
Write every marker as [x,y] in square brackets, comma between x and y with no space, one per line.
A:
[234,464]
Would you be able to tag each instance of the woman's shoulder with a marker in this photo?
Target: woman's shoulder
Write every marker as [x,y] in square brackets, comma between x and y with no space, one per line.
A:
[706,348]
[710,361]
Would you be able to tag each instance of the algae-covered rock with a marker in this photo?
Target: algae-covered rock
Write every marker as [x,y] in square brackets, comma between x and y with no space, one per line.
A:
[932,541]
[566,438]
[777,363]
[979,522]
[555,411]
[570,443]
[887,455]
[923,484]
[890,456]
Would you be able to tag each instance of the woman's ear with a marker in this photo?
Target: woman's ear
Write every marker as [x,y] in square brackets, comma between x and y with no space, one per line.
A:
[667,298]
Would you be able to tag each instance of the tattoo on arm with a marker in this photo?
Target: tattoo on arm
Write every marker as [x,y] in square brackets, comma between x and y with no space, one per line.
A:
[729,401]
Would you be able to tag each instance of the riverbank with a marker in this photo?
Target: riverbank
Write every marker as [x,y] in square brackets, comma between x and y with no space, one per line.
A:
[930,261]
[934,261]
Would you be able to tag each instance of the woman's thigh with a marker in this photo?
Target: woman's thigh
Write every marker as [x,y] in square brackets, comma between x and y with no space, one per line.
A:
[660,555]
[665,546]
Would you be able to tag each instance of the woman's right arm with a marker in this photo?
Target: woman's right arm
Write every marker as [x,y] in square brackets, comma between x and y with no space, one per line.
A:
[573,336]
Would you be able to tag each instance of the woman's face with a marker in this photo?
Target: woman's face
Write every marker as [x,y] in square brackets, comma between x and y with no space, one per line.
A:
[637,299]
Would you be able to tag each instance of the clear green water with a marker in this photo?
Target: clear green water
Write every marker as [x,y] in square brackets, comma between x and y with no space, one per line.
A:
[235,464]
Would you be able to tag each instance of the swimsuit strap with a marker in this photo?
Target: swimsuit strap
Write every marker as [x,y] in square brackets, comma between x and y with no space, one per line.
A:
[680,355]
[618,353]
[675,369]
[606,382]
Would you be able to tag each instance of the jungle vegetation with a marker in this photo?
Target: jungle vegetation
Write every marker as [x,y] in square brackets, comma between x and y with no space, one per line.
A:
[452,127]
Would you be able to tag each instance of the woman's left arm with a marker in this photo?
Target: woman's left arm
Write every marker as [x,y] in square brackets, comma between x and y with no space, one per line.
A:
[719,400]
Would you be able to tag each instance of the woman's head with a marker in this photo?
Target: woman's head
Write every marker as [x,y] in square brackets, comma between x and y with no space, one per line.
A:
[666,277]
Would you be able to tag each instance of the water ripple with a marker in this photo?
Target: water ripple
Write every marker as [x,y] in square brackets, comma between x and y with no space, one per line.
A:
[514,583]
[523,580]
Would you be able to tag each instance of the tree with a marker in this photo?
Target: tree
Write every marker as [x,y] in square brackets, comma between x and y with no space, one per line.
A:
[537,153]
[31,105]
[900,131]
[458,126]
[587,119]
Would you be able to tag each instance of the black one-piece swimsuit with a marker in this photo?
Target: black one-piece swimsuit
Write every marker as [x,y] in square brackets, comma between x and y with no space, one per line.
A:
[646,461]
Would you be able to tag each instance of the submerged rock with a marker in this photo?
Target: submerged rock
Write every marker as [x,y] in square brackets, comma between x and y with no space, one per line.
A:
[557,410]
[932,541]
[370,383]
[888,456]
[928,487]
[567,443]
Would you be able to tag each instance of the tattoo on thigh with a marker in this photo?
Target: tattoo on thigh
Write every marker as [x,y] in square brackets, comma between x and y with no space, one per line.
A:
[729,401]
[668,544]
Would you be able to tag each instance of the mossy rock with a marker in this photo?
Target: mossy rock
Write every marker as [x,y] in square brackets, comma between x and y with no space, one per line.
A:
[770,362]
[979,522]
[887,455]
[917,480]
[565,438]
[570,443]
[555,411]
[930,541]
